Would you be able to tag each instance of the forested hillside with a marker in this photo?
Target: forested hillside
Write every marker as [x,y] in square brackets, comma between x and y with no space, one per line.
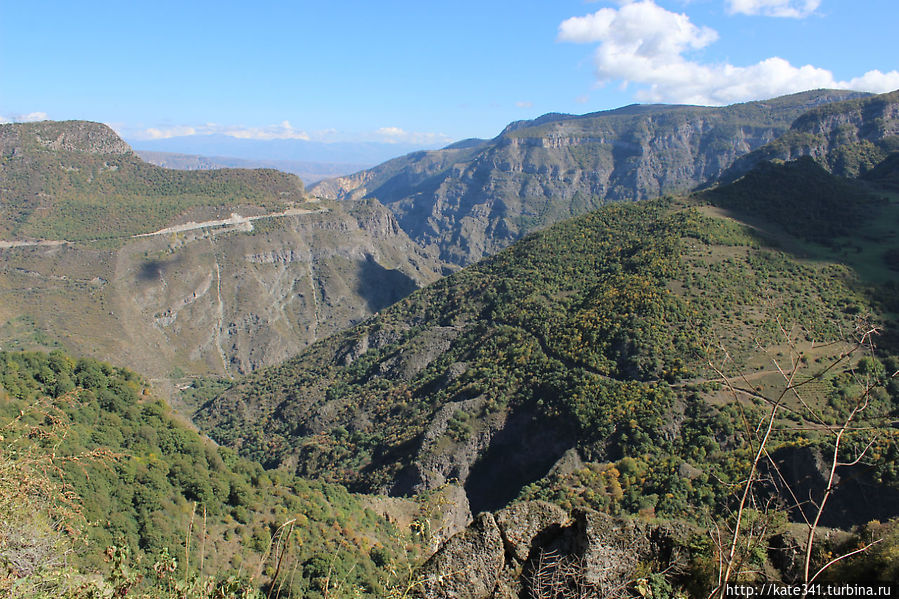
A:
[103,492]
[594,336]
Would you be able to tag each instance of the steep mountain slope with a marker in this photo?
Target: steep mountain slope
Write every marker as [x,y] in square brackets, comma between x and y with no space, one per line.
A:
[848,138]
[588,341]
[472,199]
[176,273]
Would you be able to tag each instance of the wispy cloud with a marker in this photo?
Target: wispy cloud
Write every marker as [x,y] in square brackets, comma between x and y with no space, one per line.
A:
[645,44]
[794,9]
[524,104]
[282,130]
[166,133]
[397,135]
[31,117]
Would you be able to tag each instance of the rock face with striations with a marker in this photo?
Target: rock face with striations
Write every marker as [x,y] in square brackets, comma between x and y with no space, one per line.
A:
[472,199]
[847,138]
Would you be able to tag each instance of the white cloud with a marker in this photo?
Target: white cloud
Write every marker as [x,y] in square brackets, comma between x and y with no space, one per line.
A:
[397,135]
[31,117]
[391,132]
[643,43]
[179,131]
[283,130]
[642,27]
[875,81]
[324,134]
[795,9]
[524,104]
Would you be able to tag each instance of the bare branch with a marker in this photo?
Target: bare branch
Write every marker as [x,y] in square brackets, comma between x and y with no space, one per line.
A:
[842,557]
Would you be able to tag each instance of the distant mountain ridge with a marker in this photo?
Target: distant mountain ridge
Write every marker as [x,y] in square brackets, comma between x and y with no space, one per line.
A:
[309,172]
[473,199]
[304,150]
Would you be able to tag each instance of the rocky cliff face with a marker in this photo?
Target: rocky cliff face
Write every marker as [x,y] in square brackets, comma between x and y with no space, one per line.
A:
[218,300]
[848,138]
[472,200]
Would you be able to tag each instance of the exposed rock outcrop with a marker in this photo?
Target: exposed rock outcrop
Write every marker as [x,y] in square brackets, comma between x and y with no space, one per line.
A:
[521,523]
[468,565]
[531,548]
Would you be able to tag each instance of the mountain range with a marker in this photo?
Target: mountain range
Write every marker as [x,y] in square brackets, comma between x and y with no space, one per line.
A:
[76,194]
[542,359]
[309,172]
[472,199]
[302,150]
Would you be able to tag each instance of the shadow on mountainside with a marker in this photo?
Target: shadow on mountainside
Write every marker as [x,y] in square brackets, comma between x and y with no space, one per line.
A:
[380,287]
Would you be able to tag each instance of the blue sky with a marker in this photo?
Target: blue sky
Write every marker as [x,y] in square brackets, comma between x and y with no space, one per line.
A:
[419,72]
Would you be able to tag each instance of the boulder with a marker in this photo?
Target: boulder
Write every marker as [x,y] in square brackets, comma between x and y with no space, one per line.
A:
[468,566]
[520,524]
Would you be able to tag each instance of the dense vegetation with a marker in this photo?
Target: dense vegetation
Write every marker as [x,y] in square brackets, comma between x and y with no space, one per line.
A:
[801,198]
[90,461]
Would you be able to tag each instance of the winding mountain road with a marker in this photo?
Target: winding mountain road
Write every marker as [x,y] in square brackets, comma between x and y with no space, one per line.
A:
[235,220]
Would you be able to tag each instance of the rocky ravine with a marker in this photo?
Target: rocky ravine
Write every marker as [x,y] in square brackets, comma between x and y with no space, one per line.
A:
[472,199]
